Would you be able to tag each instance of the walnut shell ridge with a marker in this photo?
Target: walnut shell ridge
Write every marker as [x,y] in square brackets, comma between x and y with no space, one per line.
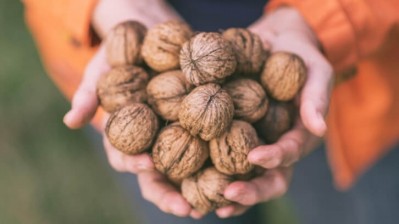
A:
[204,191]
[229,152]
[249,50]
[132,128]
[283,75]
[166,92]
[207,111]
[206,58]
[162,44]
[177,154]
[123,43]
[249,98]
[121,86]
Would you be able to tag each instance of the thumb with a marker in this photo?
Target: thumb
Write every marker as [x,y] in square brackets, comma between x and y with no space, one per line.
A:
[85,101]
[315,97]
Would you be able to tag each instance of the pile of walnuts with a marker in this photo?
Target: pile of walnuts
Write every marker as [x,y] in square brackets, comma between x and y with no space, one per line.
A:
[197,102]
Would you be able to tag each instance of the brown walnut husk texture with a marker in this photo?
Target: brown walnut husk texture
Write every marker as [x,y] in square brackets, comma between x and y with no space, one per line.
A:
[132,128]
[204,191]
[177,154]
[278,120]
[206,58]
[229,152]
[284,75]
[165,93]
[207,111]
[162,44]
[123,43]
[249,50]
[249,98]
[121,86]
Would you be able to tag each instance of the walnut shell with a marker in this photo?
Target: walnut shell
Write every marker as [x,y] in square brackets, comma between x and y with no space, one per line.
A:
[162,44]
[284,75]
[123,43]
[177,154]
[249,98]
[207,57]
[207,111]
[121,86]
[132,128]
[229,151]
[279,119]
[165,93]
[204,191]
[249,50]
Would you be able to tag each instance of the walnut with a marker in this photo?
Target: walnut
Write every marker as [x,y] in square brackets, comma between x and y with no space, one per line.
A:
[165,93]
[132,128]
[123,43]
[177,154]
[204,191]
[249,50]
[121,86]
[207,57]
[279,119]
[162,44]
[284,75]
[249,98]
[207,111]
[229,151]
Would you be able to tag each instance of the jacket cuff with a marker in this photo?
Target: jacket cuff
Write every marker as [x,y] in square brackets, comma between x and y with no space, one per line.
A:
[78,21]
[331,26]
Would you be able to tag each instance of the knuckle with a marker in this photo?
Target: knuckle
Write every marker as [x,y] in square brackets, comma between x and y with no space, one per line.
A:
[165,202]
[281,185]
[294,145]
[116,163]
[146,195]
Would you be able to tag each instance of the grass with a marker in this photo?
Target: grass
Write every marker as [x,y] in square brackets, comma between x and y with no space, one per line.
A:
[49,174]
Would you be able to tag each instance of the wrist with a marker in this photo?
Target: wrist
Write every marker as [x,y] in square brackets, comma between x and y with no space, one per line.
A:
[285,21]
[109,13]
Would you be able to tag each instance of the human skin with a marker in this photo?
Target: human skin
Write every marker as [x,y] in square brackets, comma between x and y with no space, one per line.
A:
[284,30]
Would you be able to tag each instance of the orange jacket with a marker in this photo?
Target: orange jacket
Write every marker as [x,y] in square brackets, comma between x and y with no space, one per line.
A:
[359,37]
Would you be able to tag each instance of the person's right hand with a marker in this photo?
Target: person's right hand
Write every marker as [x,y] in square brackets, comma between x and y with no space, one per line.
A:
[154,186]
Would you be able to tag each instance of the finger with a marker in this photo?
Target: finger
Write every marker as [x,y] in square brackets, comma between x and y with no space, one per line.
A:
[231,210]
[127,163]
[85,101]
[272,184]
[286,151]
[156,189]
[315,97]
[195,214]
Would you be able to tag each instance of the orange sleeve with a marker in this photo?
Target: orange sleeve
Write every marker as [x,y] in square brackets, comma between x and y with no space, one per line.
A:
[73,15]
[347,29]
[65,39]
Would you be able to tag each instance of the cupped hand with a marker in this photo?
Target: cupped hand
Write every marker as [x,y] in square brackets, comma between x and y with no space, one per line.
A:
[108,13]
[286,30]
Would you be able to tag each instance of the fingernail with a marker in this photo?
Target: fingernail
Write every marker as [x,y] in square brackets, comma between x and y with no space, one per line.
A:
[233,195]
[68,120]
[264,159]
[195,214]
[223,214]
[144,166]
[66,117]
[179,209]
[323,125]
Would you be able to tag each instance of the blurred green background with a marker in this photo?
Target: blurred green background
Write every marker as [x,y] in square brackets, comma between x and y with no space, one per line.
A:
[49,174]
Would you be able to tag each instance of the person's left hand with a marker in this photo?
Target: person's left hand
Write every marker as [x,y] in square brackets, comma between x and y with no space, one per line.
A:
[286,30]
